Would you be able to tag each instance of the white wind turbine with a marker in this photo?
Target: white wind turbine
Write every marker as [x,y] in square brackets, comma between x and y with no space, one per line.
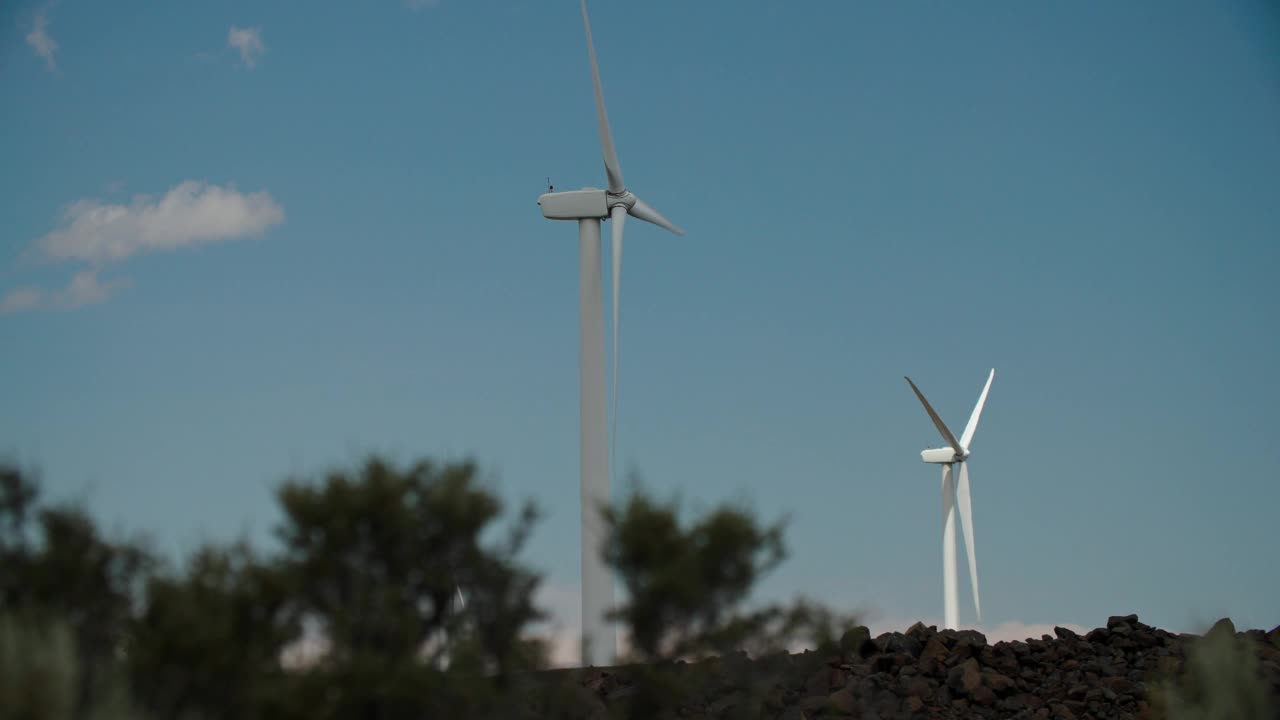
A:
[589,206]
[956,453]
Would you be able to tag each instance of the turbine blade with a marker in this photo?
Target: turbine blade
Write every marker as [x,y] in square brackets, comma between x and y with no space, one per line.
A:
[966,524]
[619,217]
[644,211]
[942,427]
[969,429]
[611,166]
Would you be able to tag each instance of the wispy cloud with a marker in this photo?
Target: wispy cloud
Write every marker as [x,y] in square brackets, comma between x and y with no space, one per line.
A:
[84,289]
[248,41]
[41,41]
[91,232]
[191,213]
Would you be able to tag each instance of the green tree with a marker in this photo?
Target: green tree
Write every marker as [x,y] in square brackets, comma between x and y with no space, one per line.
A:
[685,584]
[37,670]
[208,644]
[376,557]
[72,576]
[687,587]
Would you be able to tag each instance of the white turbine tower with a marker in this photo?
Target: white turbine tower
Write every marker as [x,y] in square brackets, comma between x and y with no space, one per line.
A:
[956,454]
[589,206]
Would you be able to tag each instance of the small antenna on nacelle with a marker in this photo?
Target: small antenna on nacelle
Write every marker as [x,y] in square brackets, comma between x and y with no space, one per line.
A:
[550,187]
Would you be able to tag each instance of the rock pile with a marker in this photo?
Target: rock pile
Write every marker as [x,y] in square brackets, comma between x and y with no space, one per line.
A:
[923,673]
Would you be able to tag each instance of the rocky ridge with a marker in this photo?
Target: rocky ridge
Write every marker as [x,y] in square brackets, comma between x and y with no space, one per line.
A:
[924,673]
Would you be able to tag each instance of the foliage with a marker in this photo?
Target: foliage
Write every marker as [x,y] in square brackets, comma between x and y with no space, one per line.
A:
[37,670]
[73,578]
[687,587]
[1221,682]
[684,584]
[378,557]
[374,558]
[209,643]
[40,675]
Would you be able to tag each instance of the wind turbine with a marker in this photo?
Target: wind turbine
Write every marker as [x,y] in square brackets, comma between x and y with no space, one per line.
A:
[589,206]
[957,453]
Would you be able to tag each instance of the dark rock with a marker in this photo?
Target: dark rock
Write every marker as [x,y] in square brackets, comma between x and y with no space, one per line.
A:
[1106,674]
[856,643]
[971,638]
[819,682]
[1168,666]
[1121,620]
[907,644]
[843,701]
[983,695]
[922,633]
[1062,712]
[1001,684]
[1145,639]
[1014,703]
[728,702]
[1121,686]
[933,655]
[964,678]
[1004,661]
[917,687]
[814,703]
[1224,626]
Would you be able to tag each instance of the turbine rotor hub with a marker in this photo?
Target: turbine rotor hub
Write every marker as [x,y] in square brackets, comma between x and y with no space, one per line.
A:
[624,198]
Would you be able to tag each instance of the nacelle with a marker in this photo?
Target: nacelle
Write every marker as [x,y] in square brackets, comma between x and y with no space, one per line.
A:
[940,455]
[575,204]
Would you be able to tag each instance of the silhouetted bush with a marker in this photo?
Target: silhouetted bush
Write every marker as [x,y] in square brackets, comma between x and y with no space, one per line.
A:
[1221,681]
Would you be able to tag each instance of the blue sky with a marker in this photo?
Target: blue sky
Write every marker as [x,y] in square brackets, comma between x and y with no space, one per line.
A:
[1085,196]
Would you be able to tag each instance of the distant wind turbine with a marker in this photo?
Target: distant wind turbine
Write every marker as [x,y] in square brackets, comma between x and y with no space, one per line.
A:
[589,206]
[957,453]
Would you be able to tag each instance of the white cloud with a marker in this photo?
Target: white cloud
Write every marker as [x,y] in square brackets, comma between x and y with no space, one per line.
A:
[84,289]
[191,213]
[41,41]
[21,299]
[249,42]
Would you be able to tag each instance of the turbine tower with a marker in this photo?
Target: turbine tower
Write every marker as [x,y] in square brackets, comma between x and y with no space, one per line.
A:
[957,453]
[590,206]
